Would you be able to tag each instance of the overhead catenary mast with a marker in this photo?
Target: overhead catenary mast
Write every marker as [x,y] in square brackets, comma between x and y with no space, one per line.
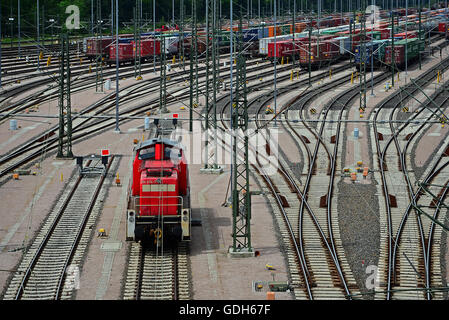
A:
[241,195]
[117,129]
[138,41]
[99,85]
[193,66]
[210,130]
[363,60]
[65,107]
[0,46]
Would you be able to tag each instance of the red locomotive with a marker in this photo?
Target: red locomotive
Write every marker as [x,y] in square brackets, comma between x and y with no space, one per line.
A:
[159,193]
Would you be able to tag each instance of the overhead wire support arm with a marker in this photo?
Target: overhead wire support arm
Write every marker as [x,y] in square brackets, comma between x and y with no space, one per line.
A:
[443,116]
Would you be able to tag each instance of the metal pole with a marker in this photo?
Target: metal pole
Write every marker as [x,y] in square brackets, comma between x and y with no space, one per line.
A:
[241,195]
[372,48]
[154,35]
[275,65]
[1,46]
[112,19]
[406,40]
[18,31]
[43,23]
[392,45]
[310,52]
[419,34]
[92,17]
[117,129]
[294,30]
[11,19]
[191,72]
[231,92]
[38,39]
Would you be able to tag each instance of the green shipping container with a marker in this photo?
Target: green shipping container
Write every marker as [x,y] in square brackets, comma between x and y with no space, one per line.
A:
[414,46]
[330,32]
[285,29]
[375,34]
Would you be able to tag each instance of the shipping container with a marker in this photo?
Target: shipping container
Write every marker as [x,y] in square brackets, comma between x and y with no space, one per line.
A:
[344,44]
[384,33]
[285,29]
[375,35]
[171,45]
[376,46]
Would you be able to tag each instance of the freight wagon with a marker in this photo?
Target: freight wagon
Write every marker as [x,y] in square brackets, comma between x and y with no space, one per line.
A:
[263,43]
[376,46]
[280,49]
[125,53]
[148,48]
[413,47]
[321,52]
[95,47]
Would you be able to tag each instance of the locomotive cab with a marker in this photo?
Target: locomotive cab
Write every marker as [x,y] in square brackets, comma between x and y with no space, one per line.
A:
[159,193]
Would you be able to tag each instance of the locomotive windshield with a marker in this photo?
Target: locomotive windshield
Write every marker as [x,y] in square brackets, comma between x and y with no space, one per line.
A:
[150,153]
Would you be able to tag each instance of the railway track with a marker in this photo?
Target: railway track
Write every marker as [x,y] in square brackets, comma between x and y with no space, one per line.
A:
[47,141]
[43,273]
[405,249]
[318,275]
[158,273]
[79,84]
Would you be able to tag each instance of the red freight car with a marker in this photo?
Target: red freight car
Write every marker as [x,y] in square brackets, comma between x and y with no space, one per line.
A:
[201,45]
[125,53]
[148,48]
[282,49]
[408,35]
[95,47]
[399,55]
[159,193]
[320,52]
